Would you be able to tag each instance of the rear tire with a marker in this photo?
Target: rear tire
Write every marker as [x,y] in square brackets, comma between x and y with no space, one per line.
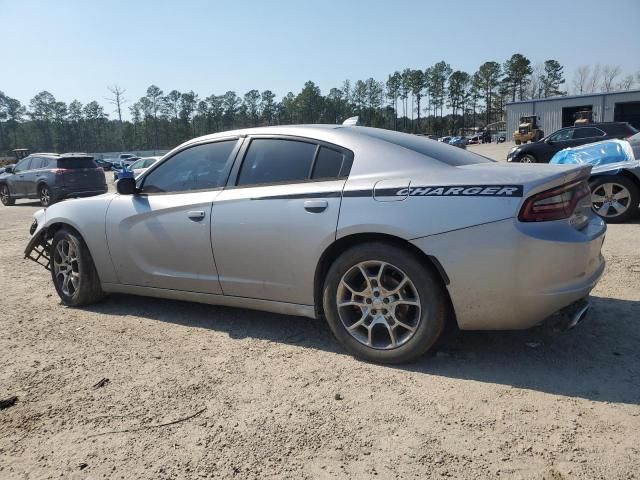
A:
[393,315]
[44,194]
[614,198]
[5,196]
[73,271]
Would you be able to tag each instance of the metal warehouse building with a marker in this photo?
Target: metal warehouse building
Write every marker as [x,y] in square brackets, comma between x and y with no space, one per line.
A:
[557,112]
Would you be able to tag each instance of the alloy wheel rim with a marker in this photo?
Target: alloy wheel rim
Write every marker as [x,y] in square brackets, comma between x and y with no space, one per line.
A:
[4,194]
[44,195]
[65,267]
[610,199]
[526,159]
[378,305]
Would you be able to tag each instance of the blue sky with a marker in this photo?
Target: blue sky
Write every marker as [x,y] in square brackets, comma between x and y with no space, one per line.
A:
[74,49]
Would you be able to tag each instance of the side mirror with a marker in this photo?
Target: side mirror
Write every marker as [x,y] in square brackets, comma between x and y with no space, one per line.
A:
[126,186]
[8,169]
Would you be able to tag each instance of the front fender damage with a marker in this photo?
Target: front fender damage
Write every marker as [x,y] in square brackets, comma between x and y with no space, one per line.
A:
[38,249]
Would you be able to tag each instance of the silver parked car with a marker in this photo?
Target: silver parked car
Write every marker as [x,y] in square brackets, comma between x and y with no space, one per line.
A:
[386,235]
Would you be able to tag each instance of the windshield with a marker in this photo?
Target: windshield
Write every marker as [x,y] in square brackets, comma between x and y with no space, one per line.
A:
[138,164]
[76,162]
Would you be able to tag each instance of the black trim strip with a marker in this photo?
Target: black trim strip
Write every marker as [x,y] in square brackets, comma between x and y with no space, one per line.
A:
[292,196]
[508,191]
[359,193]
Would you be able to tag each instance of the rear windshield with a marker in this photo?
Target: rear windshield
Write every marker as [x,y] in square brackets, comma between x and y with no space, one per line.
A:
[76,162]
[440,151]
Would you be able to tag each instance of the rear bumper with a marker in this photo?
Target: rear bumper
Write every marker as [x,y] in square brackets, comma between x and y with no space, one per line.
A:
[509,275]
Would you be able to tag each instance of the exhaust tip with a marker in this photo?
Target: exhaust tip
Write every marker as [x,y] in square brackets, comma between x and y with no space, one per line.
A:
[579,314]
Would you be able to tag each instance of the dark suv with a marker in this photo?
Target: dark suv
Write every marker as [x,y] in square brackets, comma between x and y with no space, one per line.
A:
[51,177]
[542,150]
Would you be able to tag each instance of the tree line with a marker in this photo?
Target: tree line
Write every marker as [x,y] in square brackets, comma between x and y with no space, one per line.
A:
[437,100]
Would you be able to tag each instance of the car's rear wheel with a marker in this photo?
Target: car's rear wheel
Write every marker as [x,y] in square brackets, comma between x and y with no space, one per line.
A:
[44,194]
[527,158]
[5,196]
[382,304]
[615,198]
[73,271]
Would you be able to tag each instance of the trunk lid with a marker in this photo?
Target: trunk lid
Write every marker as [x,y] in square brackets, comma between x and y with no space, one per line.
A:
[533,177]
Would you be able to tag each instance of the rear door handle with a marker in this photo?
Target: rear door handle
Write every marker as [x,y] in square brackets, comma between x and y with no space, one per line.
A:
[315,206]
[196,215]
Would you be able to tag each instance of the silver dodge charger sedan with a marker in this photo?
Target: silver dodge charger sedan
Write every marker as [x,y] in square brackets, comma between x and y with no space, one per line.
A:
[386,235]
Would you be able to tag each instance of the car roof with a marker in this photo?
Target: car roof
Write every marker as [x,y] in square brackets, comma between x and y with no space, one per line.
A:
[599,124]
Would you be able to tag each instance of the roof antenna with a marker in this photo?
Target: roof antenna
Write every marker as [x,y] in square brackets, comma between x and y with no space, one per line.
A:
[353,121]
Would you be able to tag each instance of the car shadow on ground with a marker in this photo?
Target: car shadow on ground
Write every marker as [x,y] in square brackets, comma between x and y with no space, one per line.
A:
[598,360]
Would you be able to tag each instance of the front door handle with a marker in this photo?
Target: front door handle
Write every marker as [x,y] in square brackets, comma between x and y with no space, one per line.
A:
[196,215]
[315,206]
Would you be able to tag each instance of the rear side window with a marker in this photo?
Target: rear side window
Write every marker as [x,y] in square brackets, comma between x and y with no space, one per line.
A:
[73,163]
[625,129]
[276,160]
[36,163]
[328,163]
[200,167]
[588,132]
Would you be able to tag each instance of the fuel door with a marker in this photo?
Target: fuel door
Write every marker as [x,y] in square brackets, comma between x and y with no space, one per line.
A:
[394,190]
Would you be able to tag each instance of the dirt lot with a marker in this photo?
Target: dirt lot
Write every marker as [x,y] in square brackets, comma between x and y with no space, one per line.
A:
[276,397]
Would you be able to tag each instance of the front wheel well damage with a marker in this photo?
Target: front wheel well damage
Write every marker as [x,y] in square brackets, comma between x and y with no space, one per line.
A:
[38,248]
[342,244]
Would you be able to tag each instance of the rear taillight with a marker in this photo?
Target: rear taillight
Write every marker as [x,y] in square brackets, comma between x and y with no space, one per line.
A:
[58,171]
[555,204]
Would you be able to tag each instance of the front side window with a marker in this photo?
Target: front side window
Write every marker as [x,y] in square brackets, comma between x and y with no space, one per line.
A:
[200,167]
[22,165]
[562,135]
[270,160]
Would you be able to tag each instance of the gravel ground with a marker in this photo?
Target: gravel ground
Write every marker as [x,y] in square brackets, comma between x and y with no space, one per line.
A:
[276,397]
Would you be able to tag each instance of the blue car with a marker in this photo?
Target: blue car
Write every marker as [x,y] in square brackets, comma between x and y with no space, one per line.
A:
[121,170]
[459,142]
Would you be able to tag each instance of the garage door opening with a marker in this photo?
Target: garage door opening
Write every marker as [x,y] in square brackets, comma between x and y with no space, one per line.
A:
[569,112]
[627,112]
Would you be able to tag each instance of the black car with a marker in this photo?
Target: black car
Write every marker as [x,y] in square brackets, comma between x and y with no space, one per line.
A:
[106,165]
[51,177]
[543,150]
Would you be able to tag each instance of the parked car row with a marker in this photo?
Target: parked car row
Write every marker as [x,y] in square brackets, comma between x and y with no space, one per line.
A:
[481,137]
